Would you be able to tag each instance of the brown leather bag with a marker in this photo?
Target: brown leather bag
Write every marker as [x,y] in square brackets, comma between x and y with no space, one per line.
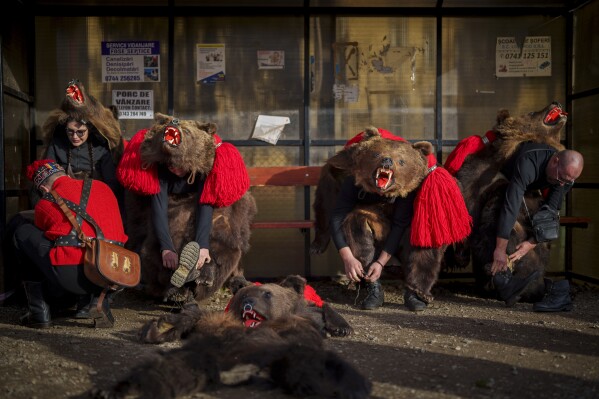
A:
[106,264]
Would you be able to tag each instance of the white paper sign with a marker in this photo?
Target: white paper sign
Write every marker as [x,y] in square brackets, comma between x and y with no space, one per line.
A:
[134,104]
[269,128]
[533,59]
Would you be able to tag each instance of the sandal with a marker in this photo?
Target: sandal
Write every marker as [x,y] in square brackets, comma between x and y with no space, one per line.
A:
[187,262]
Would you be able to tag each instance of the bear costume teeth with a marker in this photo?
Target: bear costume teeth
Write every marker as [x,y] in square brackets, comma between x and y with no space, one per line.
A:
[74,92]
[250,317]
[383,178]
[553,115]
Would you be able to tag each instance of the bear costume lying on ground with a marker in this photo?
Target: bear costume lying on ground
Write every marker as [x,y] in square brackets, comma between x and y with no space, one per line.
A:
[269,335]
[483,187]
[413,169]
[226,188]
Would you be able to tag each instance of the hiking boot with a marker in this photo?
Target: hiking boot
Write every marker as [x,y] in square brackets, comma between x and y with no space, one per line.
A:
[413,301]
[556,299]
[510,288]
[38,315]
[375,297]
[187,262]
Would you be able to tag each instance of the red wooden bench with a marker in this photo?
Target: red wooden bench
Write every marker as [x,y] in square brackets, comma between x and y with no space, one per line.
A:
[299,176]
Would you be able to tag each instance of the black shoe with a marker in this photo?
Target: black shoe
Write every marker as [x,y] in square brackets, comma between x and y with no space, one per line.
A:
[375,297]
[413,301]
[556,299]
[38,315]
[84,303]
[510,288]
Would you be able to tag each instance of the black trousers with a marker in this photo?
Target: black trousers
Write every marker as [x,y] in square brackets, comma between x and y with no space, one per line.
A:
[33,250]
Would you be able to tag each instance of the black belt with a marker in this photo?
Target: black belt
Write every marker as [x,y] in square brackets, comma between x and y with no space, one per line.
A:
[73,241]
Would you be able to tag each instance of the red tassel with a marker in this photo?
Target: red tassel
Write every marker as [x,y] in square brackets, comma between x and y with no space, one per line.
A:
[467,146]
[228,180]
[440,213]
[384,134]
[130,173]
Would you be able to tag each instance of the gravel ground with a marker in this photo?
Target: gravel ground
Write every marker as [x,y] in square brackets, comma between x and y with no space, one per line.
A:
[461,347]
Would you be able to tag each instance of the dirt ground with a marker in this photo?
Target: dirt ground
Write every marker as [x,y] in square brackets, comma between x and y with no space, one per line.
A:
[461,347]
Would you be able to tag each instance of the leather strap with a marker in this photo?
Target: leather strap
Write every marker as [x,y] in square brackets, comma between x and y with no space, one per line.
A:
[77,237]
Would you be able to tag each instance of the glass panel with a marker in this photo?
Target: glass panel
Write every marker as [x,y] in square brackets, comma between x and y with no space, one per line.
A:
[373,3]
[504,3]
[240,3]
[585,127]
[472,94]
[16,143]
[584,243]
[372,71]
[586,48]
[15,60]
[144,3]
[250,88]
[68,48]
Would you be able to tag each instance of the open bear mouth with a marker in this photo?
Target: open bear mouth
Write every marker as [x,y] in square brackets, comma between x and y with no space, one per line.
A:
[172,136]
[75,93]
[251,318]
[383,178]
[554,115]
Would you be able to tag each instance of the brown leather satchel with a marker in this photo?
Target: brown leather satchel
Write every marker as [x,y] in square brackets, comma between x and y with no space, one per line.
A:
[108,264]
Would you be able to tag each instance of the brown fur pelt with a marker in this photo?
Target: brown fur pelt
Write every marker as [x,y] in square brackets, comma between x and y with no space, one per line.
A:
[230,234]
[283,347]
[483,187]
[78,105]
[195,153]
[367,226]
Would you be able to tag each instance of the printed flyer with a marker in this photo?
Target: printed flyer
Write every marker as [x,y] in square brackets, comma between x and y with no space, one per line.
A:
[130,61]
[533,59]
[210,63]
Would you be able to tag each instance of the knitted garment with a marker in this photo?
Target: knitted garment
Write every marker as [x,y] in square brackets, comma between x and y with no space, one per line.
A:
[102,206]
[469,145]
[226,183]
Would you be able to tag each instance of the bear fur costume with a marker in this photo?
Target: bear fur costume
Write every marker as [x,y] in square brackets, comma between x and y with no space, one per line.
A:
[226,188]
[367,226]
[483,187]
[270,336]
[80,105]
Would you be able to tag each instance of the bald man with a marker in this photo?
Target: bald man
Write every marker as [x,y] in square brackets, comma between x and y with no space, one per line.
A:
[535,166]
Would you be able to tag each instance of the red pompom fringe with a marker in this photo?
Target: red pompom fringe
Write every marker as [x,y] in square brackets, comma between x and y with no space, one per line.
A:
[440,213]
[384,134]
[228,180]
[130,173]
[467,146]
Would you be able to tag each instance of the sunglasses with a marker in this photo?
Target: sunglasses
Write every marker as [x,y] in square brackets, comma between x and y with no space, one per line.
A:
[560,181]
[79,133]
